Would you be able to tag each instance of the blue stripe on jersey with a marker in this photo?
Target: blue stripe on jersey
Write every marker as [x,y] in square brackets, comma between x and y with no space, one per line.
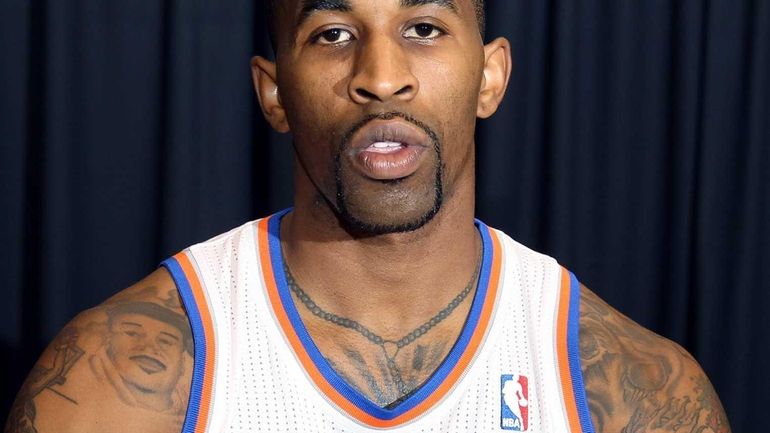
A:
[573,353]
[199,341]
[350,393]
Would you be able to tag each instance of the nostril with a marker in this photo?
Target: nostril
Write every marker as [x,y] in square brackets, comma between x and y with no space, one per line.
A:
[404,90]
[366,94]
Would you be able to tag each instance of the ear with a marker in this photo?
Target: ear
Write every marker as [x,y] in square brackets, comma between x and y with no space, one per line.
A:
[263,72]
[497,71]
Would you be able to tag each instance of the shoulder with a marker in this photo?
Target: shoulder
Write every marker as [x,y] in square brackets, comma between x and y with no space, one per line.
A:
[637,381]
[125,365]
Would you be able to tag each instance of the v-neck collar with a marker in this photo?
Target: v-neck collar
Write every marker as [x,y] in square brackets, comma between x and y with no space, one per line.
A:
[333,386]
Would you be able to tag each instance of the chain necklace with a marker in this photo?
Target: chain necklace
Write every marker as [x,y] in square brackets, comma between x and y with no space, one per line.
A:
[390,348]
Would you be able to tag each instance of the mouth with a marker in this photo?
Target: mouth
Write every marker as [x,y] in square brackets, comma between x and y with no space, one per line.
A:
[388,149]
[148,364]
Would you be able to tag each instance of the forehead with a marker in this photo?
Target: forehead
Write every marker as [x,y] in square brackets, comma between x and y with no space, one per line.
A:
[286,17]
[299,10]
[309,6]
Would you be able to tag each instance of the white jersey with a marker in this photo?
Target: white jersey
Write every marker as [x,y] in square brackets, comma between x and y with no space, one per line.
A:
[515,366]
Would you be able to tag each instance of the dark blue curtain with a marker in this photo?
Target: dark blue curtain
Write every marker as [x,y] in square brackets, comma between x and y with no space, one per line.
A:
[633,145]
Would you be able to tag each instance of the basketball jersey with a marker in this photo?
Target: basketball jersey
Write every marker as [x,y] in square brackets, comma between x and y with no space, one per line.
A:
[514,367]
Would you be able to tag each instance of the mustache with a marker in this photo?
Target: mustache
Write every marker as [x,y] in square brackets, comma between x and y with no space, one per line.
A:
[388,115]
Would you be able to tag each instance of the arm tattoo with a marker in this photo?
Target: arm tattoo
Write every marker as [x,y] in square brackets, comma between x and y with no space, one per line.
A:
[138,351]
[23,411]
[143,355]
[638,382]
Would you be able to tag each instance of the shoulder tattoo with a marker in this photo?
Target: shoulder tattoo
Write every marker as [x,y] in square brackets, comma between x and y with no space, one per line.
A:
[639,382]
[136,350]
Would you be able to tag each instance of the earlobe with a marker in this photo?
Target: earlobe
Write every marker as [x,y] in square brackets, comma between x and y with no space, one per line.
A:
[263,73]
[497,71]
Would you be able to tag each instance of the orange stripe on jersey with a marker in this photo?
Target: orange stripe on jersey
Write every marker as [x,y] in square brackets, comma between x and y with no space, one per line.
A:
[204,407]
[331,393]
[563,353]
[476,339]
[283,319]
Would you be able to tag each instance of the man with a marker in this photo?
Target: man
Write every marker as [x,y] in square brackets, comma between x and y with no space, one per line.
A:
[377,301]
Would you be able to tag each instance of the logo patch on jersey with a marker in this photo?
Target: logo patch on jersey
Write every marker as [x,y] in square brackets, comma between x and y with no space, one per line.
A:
[514,402]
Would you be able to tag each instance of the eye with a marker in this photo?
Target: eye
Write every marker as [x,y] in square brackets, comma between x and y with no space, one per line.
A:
[333,37]
[423,31]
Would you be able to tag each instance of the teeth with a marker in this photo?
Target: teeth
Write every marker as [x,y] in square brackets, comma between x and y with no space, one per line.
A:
[385,144]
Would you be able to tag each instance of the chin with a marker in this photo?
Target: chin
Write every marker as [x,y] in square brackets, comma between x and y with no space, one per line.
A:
[387,208]
[387,224]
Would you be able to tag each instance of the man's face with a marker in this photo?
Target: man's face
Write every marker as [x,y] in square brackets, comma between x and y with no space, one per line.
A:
[381,96]
[146,352]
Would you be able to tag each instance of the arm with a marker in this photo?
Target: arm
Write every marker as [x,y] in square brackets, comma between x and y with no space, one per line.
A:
[637,381]
[125,365]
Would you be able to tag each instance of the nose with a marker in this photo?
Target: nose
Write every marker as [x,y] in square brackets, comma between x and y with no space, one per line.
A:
[382,72]
[147,345]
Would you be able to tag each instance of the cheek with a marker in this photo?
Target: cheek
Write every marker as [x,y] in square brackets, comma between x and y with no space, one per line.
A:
[452,102]
[311,97]
[454,75]
[315,113]
[170,352]
[449,88]
[309,104]
[123,344]
[455,108]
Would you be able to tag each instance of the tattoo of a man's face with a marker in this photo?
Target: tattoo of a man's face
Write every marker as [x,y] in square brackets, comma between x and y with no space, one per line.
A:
[146,346]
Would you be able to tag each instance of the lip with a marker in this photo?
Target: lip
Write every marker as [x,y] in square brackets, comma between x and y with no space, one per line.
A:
[148,364]
[398,160]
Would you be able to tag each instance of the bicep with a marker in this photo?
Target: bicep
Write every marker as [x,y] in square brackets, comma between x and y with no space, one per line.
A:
[125,365]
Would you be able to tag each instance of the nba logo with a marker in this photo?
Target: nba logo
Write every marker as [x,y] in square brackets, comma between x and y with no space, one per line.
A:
[514,404]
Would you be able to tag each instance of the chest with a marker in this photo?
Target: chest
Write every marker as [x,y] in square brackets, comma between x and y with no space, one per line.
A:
[505,387]
[262,370]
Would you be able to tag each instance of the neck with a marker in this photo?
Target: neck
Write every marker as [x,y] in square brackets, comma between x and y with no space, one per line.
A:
[392,280]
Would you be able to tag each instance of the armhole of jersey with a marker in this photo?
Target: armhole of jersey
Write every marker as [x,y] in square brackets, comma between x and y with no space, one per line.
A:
[568,332]
[191,292]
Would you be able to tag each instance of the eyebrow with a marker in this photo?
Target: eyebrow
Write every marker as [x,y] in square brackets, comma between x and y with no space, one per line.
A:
[309,7]
[447,4]
[138,325]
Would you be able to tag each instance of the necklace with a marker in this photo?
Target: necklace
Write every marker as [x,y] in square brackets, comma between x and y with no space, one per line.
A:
[390,348]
